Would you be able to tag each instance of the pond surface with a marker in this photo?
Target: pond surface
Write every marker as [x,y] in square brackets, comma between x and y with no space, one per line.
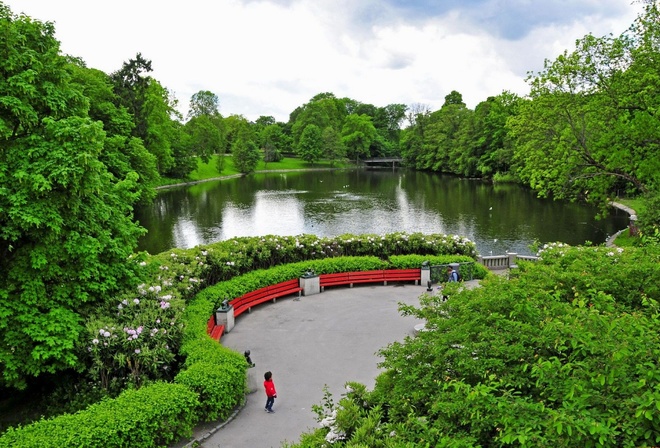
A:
[498,218]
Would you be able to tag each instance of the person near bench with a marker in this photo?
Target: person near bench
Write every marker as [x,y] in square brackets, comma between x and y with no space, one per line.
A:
[452,275]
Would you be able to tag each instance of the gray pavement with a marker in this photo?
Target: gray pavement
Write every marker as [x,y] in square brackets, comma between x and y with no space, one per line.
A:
[324,339]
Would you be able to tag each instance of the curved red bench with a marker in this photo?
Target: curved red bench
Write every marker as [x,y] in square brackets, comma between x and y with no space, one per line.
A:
[272,292]
[374,276]
[289,287]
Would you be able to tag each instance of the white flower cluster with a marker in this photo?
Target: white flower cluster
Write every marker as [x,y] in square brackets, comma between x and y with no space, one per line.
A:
[334,434]
[551,247]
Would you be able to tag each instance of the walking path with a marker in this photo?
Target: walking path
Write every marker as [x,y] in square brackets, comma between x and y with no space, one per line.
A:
[625,208]
[323,339]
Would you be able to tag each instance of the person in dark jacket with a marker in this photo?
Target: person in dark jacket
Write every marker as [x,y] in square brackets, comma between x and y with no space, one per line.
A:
[271,393]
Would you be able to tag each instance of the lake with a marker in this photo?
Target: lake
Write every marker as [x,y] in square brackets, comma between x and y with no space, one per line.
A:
[498,218]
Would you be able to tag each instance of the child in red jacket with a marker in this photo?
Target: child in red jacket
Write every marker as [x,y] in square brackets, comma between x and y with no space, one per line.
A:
[271,394]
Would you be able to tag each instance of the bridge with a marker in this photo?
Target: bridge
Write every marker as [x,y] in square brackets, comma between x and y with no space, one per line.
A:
[383,162]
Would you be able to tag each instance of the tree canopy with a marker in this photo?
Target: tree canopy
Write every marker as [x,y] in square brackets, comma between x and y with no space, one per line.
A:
[66,226]
[591,127]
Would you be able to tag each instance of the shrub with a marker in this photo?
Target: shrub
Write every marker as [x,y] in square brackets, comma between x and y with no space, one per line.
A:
[153,416]
[221,387]
[137,336]
[562,354]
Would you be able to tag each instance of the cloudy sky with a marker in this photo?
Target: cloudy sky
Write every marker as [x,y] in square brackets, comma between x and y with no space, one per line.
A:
[267,57]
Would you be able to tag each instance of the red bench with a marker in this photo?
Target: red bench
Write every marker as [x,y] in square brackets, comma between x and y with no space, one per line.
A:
[217,332]
[403,275]
[340,278]
[374,276]
[272,292]
[213,330]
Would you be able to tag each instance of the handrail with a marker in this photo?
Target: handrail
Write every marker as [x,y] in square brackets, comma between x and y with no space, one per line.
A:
[497,262]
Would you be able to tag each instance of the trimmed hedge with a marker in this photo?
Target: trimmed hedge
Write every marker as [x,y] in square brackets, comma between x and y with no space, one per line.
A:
[153,416]
[216,372]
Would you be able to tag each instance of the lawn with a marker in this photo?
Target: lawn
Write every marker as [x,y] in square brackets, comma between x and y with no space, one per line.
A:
[636,204]
[208,170]
[624,239]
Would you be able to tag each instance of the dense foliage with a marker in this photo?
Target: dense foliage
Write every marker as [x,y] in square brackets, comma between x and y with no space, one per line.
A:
[79,147]
[565,353]
[153,416]
[66,224]
[135,340]
[591,126]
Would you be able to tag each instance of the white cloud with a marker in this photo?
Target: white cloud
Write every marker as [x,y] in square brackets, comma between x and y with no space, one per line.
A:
[269,57]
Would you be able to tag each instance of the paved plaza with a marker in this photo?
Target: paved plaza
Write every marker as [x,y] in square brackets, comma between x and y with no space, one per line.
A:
[324,339]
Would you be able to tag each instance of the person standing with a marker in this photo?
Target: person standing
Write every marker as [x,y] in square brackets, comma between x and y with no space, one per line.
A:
[271,393]
[452,275]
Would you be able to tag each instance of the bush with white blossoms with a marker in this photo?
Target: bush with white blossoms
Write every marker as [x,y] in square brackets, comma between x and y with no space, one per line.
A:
[142,344]
[136,340]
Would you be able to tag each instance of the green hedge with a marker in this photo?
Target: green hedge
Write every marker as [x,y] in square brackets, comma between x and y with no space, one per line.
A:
[153,416]
[212,381]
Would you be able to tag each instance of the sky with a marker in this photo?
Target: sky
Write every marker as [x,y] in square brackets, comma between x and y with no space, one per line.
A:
[267,57]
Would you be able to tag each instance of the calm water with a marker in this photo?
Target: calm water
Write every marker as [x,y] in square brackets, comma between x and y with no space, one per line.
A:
[498,218]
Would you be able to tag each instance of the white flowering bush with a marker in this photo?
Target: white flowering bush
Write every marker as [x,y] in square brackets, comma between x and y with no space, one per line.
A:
[137,339]
[588,274]
[144,326]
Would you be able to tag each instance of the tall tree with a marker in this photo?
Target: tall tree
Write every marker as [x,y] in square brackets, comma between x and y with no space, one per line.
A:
[495,148]
[66,227]
[273,142]
[441,136]
[592,126]
[322,111]
[122,152]
[152,107]
[205,128]
[358,133]
[310,146]
[131,87]
[204,103]
[245,155]
[157,110]
[242,143]
[206,136]
[332,145]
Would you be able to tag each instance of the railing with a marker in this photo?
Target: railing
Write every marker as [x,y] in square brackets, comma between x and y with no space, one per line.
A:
[439,272]
[497,262]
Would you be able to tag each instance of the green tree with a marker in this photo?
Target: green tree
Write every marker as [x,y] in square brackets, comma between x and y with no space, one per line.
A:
[131,86]
[122,153]
[358,133]
[591,127]
[273,142]
[332,146]
[237,126]
[66,227]
[441,145]
[206,136]
[206,128]
[412,138]
[310,146]
[152,107]
[387,121]
[157,110]
[245,154]
[242,143]
[322,111]
[182,153]
[495,144]
[454,98]
[204,103]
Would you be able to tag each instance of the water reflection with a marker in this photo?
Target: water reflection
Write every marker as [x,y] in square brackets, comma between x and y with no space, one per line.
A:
[498,218]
